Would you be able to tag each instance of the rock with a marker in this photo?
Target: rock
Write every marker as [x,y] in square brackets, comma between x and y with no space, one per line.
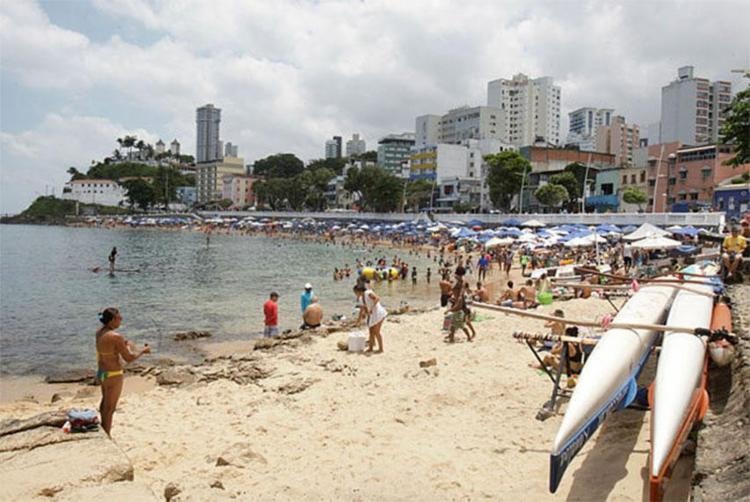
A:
[175,376]
[427,363]
[191,335]
[123,490]
[297,385]
[85,392]
[71,376]
[240,455]
[55,398]
[217,484]
[342,345]
[171,491]
[44,461]
[266,343]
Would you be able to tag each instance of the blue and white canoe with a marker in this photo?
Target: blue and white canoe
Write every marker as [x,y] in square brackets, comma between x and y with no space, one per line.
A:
[608,380]
[678,386]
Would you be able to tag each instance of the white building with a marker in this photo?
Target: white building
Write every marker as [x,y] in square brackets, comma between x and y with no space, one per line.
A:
[159,147]
[102,192]
[459,124]
[393,150]
[208,144]
[174,147]
[355,146]
[531,107]
[584,123]
[438,162]
[426,130]
[692,109]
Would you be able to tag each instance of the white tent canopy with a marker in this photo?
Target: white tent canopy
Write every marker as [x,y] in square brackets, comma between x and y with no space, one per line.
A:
[646,230]
[498,241]
[656,242]
[532,223]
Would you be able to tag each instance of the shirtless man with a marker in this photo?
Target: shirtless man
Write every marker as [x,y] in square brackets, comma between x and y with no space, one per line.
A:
[313,315]
[445,290]
[481,294]
[110,347]
[529,294]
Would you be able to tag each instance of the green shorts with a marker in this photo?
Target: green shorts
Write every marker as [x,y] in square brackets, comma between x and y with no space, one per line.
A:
[457,322]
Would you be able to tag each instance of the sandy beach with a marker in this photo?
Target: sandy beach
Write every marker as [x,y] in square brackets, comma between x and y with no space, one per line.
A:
[327,424]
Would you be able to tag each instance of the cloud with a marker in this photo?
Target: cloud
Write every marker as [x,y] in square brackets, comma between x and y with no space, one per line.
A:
[35,161]
[289,74]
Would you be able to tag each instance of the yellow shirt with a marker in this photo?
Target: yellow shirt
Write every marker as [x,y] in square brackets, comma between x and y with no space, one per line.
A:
[735,244]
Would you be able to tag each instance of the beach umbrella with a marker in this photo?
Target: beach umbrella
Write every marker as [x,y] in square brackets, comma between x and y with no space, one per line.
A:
[512,222]
[475,223]
[532,223]
[498,241]
[656,242]
[645,230]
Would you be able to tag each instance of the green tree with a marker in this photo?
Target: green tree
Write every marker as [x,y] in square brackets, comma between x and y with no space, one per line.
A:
[166,181]
[281,165]
[377,189]
[551,194]
[736,128]
[570,182]
[369,156]
[315,183]
[140,192]
[633,195]
[75,174]
[506,173]
[418,194]
[578,170]
[335,165]
[462,207]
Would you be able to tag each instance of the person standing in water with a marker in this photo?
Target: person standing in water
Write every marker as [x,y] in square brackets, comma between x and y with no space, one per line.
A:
[110,347]
[112,258]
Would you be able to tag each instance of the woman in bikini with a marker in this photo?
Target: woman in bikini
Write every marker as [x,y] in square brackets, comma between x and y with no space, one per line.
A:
[110,347]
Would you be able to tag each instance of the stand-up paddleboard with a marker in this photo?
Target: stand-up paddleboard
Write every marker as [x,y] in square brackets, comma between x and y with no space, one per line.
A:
[608,380]
[679,395]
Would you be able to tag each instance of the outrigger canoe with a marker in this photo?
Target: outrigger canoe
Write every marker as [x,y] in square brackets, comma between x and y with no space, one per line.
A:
[679,396]
[608,380]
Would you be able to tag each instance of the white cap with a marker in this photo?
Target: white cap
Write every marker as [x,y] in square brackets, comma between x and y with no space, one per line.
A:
[308,286]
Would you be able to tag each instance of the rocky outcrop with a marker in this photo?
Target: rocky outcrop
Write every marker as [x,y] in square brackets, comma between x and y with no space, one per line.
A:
[71,376]
[38,460]
[722,463]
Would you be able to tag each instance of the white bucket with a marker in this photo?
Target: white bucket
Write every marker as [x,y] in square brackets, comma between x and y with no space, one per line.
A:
[357,341]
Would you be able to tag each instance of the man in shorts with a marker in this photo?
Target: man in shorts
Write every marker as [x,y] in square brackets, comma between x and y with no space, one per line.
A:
[271,315]
[733,247]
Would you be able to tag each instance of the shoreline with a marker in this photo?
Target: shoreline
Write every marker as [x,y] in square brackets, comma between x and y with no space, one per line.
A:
[379,426]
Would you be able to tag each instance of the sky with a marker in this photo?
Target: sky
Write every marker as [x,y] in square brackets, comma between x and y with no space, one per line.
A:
[77,74]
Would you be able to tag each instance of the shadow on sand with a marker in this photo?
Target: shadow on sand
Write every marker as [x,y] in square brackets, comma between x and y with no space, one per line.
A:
[606,463]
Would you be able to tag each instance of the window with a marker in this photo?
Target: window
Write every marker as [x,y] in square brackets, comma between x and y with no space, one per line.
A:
[632,178]
[693,196]
[643,177]
[624,179]
[683,175]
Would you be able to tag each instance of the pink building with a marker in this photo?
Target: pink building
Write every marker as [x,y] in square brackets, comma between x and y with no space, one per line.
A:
[690,175]
[618,138]
[238,189]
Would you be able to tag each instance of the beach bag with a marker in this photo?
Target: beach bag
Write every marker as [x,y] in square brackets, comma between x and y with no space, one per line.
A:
[83,420]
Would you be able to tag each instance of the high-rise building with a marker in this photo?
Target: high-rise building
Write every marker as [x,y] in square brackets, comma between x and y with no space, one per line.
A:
[231,150]
[620,139]
[174,147]
[531,107]
[208,145]
[584,123]
[693,109]
[355,146]
[460,124]
[333,148]
[393,150]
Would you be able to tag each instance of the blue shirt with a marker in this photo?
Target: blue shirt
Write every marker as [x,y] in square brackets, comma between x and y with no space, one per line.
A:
[305,299]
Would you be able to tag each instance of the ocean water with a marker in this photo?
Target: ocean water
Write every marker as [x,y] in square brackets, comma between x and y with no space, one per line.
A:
[50,298]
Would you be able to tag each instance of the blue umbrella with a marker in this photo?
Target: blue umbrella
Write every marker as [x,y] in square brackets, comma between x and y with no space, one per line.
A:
[512,222]
[475,223]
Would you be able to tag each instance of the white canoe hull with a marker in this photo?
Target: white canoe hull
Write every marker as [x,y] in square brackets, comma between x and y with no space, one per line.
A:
[607,381]
[680,367]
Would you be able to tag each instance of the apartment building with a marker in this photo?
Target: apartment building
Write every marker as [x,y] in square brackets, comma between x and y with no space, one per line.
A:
[618,138]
